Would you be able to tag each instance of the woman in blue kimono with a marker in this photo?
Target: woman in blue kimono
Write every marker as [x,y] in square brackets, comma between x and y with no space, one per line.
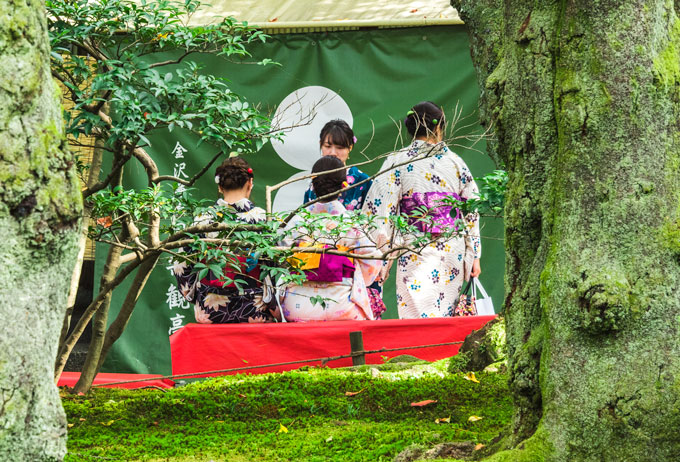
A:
[337,139]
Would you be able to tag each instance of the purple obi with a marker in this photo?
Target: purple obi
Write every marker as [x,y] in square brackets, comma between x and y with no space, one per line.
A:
[332,268]
[437,210]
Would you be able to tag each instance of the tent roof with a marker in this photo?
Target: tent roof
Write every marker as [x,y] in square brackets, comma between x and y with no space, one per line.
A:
[312,15]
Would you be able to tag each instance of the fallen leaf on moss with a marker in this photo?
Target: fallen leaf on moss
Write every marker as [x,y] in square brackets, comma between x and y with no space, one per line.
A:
[443,420]
[82,419]
[479,446]
[107,424]
[241,395]
[474,418]
[354,393]
[329,439]
[424,403]
[471,377]
[282,428]
[70,425]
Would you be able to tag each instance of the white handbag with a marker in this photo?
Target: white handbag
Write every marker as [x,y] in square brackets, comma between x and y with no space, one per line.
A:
[484,303]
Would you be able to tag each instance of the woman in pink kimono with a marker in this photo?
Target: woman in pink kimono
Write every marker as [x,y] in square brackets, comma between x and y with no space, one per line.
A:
[335,289]
[420,176]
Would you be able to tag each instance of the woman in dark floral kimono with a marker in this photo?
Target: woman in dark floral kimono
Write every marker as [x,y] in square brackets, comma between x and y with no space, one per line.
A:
[215,301]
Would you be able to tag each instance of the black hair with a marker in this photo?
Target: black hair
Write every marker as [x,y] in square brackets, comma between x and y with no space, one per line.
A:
[329,182]
[338,132]
[233,173]
[424,118]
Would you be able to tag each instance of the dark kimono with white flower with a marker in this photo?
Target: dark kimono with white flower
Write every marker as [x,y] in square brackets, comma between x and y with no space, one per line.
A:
[218,303]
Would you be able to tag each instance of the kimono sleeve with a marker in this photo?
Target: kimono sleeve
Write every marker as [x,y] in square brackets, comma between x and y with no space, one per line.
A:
[370,268]
[469,190]
[309,194]
[362,189]
[382,201]
[289,236]
[186,279]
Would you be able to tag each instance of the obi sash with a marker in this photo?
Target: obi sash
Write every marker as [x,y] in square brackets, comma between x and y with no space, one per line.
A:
[248,266]
[322,267]
[439,211]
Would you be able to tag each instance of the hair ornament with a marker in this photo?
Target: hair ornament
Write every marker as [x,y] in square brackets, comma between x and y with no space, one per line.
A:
[250,171]
[217,179]
[410,113]
[354,139]
[435,121]
[345,184]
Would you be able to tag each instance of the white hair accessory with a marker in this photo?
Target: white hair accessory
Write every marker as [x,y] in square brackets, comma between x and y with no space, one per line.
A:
[217,179]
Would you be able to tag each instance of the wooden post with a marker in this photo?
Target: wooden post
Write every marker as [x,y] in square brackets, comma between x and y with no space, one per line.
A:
[356,342]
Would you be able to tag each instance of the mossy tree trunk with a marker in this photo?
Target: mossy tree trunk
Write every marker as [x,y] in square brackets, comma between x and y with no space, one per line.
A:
[40,205]
[584,98]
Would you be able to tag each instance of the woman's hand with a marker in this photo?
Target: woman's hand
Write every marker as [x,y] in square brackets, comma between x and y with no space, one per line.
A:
[476,268]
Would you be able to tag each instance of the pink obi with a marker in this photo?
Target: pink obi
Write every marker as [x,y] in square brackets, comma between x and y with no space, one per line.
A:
[332,268]
[439,211]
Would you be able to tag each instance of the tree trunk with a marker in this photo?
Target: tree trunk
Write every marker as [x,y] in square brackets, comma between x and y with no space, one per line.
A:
[40,207]
[99,322]
[585,101]
[92,177]
[103,338]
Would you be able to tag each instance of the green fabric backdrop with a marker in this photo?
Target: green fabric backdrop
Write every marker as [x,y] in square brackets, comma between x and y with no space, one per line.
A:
[379,74]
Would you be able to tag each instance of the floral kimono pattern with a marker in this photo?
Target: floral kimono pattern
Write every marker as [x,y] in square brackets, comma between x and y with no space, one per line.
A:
[215,303]
[352,199]
[349,297]
[428,283]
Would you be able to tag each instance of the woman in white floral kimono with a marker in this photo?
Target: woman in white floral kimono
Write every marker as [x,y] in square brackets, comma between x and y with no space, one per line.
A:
[421,175]
[339,280]
[216,301]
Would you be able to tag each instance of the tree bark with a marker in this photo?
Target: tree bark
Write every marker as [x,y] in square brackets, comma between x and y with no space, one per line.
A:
[585,101]
[40,207]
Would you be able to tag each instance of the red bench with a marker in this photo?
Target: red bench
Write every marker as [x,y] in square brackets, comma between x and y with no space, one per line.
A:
[212,347]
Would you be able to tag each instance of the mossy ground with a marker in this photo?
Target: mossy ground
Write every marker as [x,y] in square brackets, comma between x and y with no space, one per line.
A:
[240,418]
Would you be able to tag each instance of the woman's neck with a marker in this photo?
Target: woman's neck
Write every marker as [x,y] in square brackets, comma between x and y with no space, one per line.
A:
[232,197]
[427,139]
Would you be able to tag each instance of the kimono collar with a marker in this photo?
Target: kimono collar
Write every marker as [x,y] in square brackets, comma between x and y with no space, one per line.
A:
[332,208]
[241,205]
[418,144]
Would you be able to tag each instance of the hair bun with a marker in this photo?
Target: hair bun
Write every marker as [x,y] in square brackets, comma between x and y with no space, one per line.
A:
[233,173]
[423,119]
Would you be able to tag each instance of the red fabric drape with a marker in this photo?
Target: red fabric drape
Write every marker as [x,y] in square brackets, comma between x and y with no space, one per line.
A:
[69,379]
[209,347]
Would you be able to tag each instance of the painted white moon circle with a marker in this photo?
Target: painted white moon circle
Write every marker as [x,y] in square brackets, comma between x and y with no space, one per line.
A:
[306,110]
[290,197]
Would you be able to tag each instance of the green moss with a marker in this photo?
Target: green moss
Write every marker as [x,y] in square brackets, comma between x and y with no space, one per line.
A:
[667,62]
[459,362]
[604,300]
[670,235]
[239,417]
[535,449]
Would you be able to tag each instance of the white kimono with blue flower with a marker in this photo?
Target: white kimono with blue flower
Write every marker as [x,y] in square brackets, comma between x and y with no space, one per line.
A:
[428,282]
